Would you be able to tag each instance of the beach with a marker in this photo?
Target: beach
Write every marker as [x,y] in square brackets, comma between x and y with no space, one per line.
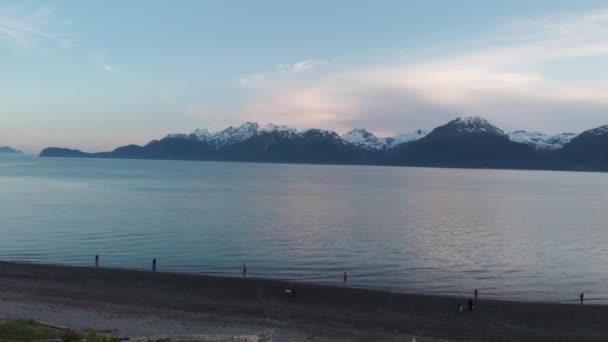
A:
[127,303]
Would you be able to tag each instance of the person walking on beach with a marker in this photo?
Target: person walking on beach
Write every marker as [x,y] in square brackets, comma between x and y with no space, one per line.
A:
[582,296]
[97,260]
[471,305]
[345,277]
[244,270]
[476,294]
[154,264]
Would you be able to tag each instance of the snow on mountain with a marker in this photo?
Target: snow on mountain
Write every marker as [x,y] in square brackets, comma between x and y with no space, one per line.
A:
[559,140]
[407,137]
[359,137]
[530,138]
[474,124]
[363,138]
[316,130]
[233,135]
[284,130]
[276,128]
[598,131]
[542,141]
[202,134]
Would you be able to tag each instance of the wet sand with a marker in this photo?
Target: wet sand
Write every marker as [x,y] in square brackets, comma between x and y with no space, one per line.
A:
[134,303]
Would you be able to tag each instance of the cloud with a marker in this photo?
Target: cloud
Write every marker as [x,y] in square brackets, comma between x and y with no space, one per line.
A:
[251,79]
[301,66]
[502,79]
[101,62]
[32,29]
[280,69]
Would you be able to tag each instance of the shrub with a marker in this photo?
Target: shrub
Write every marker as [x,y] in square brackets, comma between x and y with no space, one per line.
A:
[72,336]
[92,336]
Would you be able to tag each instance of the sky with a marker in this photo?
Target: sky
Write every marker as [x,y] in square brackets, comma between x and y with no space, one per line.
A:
[95,75]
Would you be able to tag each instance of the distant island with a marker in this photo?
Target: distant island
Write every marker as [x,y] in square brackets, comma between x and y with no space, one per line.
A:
[9,150]
[467,142]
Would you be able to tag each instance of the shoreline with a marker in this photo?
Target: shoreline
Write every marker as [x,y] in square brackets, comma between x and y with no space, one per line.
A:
[133,300]
[417,166]
[330,284]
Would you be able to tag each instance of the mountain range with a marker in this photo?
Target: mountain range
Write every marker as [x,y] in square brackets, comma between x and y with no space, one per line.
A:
[470,142]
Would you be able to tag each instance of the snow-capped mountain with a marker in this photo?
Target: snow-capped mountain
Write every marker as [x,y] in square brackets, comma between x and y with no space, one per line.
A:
[542,141]
[463,142]
[406,137]
[202,134]
[466,142]
[233,135]
[473,124]
[228,136]
[466,127]
[272,128]
[359,137]
[365,139]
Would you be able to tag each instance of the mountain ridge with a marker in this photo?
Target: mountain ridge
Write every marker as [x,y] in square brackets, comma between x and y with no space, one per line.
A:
[462,142]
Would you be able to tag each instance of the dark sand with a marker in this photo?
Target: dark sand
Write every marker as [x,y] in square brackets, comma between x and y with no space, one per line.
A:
[139,302]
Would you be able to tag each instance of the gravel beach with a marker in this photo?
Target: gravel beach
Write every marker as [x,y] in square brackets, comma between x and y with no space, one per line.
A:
[128,303]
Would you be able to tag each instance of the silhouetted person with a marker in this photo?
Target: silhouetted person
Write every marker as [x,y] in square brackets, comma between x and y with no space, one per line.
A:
[476,294]
[460,308]
[154,264]
[582,297]
[244,270]
[471,306]
[345,277]
[97,260]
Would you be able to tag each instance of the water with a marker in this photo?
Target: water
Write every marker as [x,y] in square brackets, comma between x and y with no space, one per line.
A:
[520,235]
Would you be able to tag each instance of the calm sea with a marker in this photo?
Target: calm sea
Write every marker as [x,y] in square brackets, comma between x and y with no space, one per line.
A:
[512,234]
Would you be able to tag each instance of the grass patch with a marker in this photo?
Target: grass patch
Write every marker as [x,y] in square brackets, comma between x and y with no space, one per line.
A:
[30,331]
[26,331]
